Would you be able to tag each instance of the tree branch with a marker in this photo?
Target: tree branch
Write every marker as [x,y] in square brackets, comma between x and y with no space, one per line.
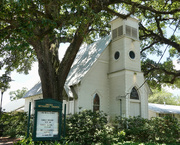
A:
[117,14]
[139,5]
[159,38]
[155,42]
[161,70]
[158,26]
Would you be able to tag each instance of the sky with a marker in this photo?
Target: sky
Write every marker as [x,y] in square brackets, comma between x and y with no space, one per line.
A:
[28,81]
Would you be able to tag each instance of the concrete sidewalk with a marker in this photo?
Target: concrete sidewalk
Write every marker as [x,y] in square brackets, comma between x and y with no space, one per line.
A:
[8,141]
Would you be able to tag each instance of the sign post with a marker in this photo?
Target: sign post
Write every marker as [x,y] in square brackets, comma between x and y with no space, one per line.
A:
[29,117]
[47,120]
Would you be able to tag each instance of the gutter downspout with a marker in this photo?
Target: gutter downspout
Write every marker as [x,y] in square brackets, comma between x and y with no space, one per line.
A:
[75,96]
[120,107]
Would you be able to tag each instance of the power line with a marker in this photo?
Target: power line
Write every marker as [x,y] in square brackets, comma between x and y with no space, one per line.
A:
[158,61]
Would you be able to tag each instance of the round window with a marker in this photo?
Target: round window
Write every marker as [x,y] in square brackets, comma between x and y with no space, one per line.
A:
[116,55]
[132,54]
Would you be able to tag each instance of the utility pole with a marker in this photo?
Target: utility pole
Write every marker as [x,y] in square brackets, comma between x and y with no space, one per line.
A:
[2,92]
[1,125]
[4,85]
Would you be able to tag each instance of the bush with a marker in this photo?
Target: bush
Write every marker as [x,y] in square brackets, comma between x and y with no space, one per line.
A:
[86,127]
[29,141]
[89,127]
[136,128]
[14,124]
[165,130]
[158,130]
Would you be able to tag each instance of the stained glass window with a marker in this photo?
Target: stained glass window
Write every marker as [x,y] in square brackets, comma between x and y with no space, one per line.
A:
[96,103]
[134,94]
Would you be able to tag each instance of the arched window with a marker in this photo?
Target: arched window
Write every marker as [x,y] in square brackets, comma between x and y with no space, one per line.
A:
[96,103]
[134,94]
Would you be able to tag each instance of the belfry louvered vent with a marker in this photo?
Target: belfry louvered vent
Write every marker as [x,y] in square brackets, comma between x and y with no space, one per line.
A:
[128,30]
[117,32]
[114,34]
[120,30]
[132,32]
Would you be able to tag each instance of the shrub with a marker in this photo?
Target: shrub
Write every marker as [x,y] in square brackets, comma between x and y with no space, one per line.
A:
[135,128]
[158,130]
[29,141]
[14,124]
[89,127]
[165,130]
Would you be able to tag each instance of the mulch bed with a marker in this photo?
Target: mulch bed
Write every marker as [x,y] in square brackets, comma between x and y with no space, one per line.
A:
[8,140]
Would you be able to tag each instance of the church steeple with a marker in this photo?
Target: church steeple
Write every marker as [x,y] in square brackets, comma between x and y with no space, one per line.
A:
[125,46]
[125,74]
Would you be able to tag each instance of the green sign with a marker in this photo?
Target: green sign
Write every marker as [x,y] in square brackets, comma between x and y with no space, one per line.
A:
[48,119]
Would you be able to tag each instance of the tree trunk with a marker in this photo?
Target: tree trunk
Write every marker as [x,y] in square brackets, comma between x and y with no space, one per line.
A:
[47,54]
[52,73]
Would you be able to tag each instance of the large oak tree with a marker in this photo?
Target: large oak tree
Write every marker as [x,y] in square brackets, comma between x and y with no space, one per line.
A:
[35,29]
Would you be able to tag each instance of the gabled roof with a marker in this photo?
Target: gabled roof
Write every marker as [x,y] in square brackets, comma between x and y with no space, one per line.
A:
[164,109]
[85,58]
[16,105]
[36,90]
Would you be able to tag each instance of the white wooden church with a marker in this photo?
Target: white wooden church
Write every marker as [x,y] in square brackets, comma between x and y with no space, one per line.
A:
[106,75]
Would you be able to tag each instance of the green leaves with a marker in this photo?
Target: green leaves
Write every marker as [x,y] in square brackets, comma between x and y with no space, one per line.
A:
[14,124]
[159,74]
[162,96]
[25,25]
[18,94]
[89,127]
[154,130]
[5,79]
